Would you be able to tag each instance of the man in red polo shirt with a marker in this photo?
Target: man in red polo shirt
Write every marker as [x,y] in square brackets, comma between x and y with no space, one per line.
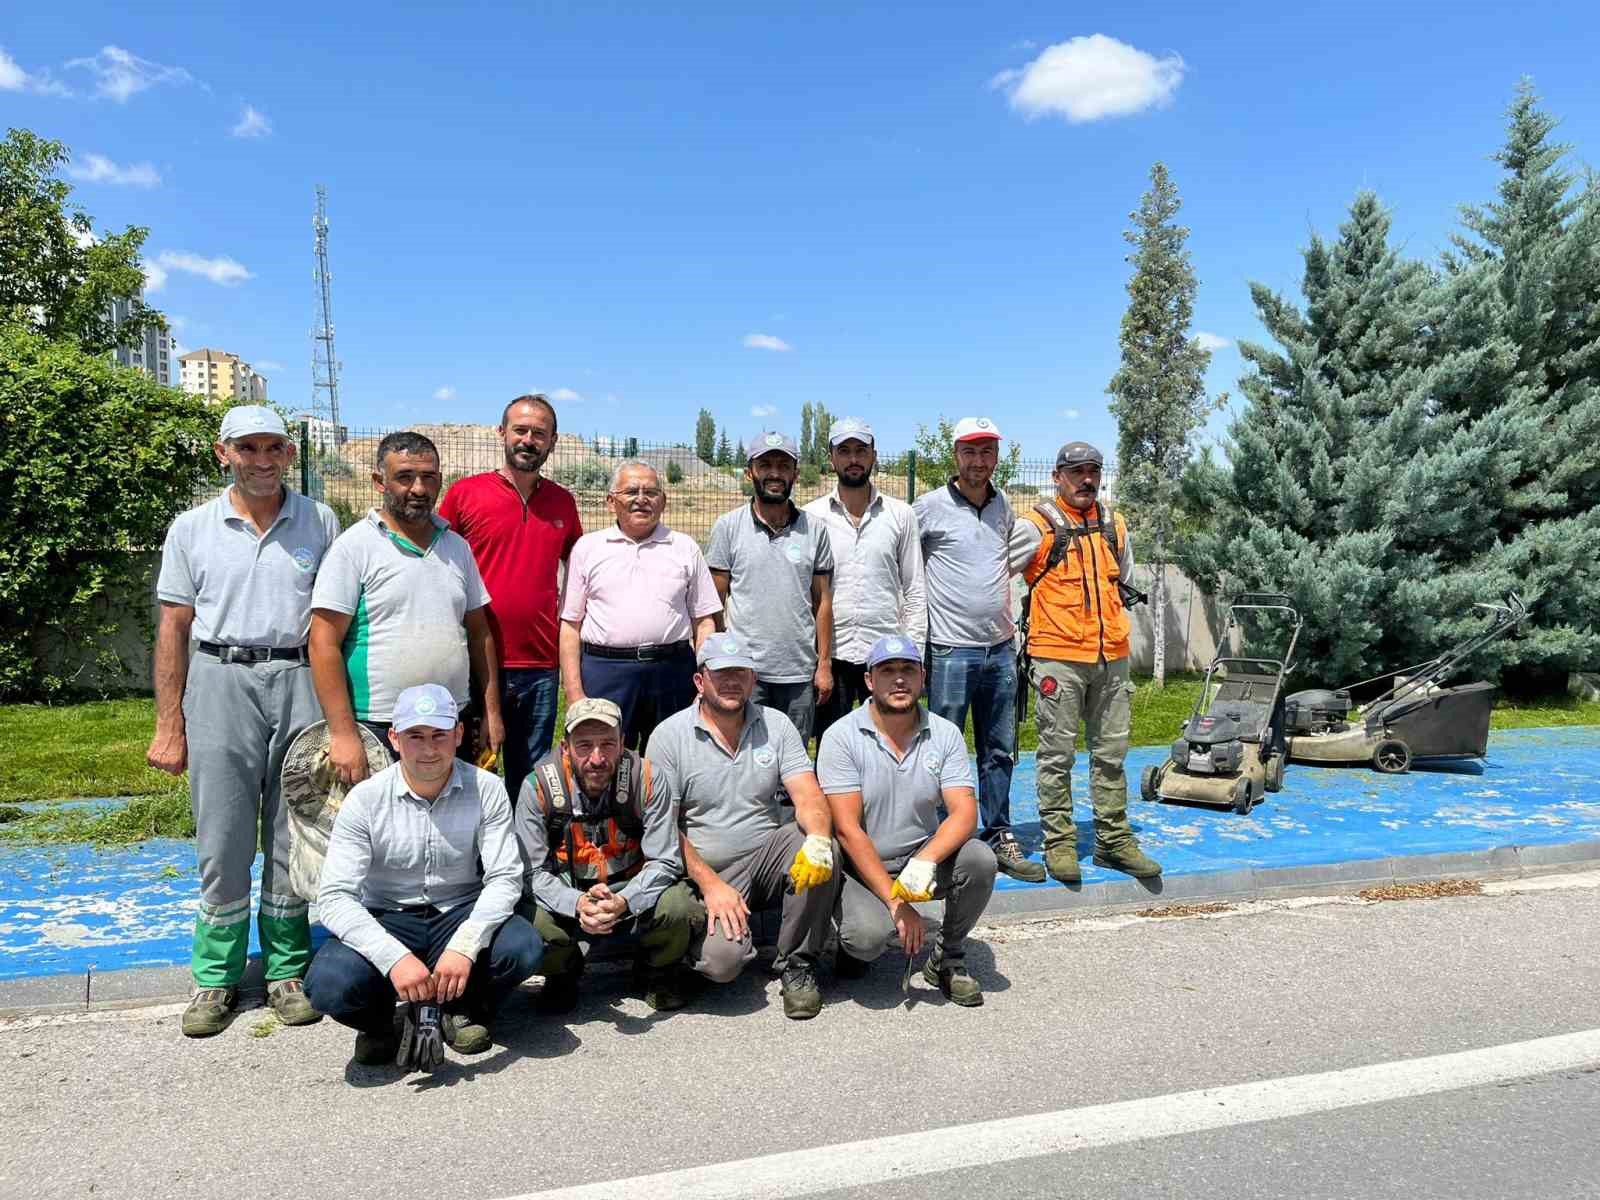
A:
[520,527]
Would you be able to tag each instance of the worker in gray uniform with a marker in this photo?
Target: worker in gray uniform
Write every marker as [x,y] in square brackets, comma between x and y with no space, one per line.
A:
[901,790]
[235,588]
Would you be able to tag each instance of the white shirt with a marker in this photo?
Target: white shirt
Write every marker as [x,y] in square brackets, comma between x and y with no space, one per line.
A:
[878,581]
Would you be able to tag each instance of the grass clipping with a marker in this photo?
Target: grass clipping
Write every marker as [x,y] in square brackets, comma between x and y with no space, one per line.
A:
[1432,890]
[139,820]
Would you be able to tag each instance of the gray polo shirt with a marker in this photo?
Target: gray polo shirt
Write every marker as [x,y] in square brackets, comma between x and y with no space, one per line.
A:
[902,799]
[769,587]
[247,590]
[407,605]
[965,550]
[727,804]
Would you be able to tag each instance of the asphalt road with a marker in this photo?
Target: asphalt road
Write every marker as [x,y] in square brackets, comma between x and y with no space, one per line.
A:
[1080,1014]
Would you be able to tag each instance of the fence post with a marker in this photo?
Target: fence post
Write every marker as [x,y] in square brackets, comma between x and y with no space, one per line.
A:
[911,476]
[305,458]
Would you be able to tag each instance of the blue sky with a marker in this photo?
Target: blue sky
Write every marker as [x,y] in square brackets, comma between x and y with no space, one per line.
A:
[634,203]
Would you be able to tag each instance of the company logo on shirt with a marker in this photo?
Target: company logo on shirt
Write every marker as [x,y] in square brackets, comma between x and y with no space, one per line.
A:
[765,757]
[934,765]
[304,559]
[796,553]
[559,523]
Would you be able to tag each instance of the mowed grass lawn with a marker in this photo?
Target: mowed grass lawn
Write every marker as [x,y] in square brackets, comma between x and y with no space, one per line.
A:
[97,749]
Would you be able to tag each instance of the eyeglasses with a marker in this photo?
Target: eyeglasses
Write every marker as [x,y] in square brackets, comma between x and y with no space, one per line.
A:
[648,493]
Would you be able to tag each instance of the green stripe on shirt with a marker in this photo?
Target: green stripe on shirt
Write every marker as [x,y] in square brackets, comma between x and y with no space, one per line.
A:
[357,640]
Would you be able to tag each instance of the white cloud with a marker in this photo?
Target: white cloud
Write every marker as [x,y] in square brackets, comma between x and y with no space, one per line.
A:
[119,75]
[1071,414]
[1211,341]
[565,395]
[446,393]
[97,168]
[222,270]
[14,79]
[764,410]
[252,123]
[176,323]
[765,341]
[155,277]
[1087,78]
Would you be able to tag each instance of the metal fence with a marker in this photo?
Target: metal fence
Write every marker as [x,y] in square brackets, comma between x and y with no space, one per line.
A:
[339,472]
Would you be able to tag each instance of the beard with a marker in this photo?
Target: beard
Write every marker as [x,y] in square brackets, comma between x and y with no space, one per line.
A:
[525,458]
[407,509]
[764,489]
[855,477]
[895,705]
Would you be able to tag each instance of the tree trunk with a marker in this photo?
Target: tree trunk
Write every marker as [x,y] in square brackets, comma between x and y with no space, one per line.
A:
[1158,610]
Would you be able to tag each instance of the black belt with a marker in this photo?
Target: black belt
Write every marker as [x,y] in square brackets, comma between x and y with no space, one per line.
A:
[637,653]
[254,654]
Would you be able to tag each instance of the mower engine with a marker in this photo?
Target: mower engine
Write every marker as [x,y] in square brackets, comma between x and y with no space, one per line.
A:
[1317,711]
[1211,744]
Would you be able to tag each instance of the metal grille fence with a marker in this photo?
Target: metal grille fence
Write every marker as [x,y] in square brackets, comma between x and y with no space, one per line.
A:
[339,472]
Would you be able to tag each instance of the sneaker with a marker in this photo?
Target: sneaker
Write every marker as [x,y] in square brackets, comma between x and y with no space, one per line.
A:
[802,999]
[1128,859]
[208,1011]
[559,995]
[848,966]
[376,1049]
[952,979]
[464,1035]
[287,998]
[1062,863]
[663,991]
[1009,857]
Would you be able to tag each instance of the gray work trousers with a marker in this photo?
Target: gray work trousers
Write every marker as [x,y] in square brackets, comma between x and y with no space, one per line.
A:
[797,701]
[239,719]
[1101,696]
[964,881]
[761,877]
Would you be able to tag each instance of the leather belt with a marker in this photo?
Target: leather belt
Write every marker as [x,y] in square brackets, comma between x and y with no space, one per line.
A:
[251,655]
[638,653]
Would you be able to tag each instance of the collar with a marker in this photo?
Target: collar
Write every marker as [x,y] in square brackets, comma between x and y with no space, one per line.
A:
[794,517]
[659,534]
[538,483]
[440,525]
[874,498]
[752,716]
[224,503]
[864,719]
[454,784]
[959,497]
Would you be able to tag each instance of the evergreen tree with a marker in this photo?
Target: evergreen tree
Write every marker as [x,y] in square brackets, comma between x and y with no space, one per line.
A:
[805,432]
[724,451]
[705,436]
[1158,393]
[822,426]
[741,456]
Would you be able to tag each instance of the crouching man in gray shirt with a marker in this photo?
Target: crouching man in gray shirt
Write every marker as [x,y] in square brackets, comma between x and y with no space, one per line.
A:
[888,769]
[726,758]
[421,875]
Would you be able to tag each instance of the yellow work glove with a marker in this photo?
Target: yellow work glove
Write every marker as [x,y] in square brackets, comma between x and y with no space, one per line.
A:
[915,882]
[813,863]
[488,758]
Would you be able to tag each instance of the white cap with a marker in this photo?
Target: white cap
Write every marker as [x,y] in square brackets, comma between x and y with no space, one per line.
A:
[426,704]
[243,420]
[976,429]
[846,428]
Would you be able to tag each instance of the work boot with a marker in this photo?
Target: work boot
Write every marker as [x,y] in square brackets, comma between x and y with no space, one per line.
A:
[952,979]
[1062,863]
[559,995]
[287,998]
[663,990]
[207,1014]
[802,999]
[1128,859]
[376,1049]
[464,1035]
[1009,857]
[848,966]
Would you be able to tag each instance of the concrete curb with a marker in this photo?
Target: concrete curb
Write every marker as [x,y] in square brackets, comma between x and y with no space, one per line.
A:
[139,987]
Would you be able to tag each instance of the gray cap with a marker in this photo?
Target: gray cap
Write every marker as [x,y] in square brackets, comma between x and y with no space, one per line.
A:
[1076,453]
[722,650]
[768,440]
[243,420]
[892,647]
[593,708]
[426,704]
[846,428]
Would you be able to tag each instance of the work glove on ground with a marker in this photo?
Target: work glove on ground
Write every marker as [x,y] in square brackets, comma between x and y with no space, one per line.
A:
[421,1039]
[915,882]
[813,863]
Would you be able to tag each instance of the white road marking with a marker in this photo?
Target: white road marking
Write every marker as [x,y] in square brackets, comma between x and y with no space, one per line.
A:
[895,1159]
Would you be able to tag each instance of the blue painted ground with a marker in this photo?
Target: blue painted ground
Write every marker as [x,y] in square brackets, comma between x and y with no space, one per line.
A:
[65,909]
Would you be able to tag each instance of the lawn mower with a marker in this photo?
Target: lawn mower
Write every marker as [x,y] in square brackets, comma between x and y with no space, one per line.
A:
[1414,718]
[1231,751]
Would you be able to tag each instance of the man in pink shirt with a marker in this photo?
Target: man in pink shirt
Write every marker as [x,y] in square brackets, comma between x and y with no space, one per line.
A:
[520,526]
[639,602]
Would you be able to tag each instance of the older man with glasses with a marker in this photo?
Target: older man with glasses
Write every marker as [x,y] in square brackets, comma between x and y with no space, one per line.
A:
[639,601]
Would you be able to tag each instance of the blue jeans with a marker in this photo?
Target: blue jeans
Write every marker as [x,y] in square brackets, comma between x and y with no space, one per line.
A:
[528,708]
[983,679]
[348,988]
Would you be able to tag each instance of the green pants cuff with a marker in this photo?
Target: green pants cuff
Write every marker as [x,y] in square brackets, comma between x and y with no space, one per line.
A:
[218,954]
[285,946]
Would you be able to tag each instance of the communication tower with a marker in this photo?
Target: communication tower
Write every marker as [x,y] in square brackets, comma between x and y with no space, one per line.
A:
[324,362]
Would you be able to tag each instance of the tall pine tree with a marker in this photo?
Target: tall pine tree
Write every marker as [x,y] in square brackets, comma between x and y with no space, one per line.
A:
[1158,393]
[724,451]
[705,436]
[805,431]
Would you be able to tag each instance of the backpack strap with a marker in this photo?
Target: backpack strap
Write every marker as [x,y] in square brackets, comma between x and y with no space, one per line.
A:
[632,787]
[553,800]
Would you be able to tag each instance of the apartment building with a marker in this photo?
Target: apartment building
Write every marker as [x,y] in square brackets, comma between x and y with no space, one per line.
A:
[151,353]
[221,376]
